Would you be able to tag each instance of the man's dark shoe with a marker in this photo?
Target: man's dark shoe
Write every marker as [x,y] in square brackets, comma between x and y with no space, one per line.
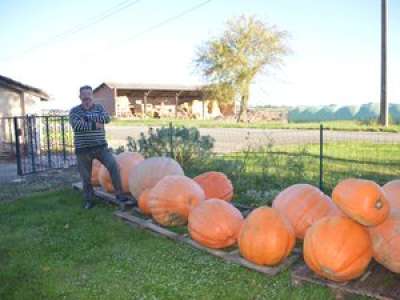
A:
[88,205]
[122,198]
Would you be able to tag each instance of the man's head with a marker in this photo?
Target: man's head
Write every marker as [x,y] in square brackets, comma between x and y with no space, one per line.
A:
[86,96]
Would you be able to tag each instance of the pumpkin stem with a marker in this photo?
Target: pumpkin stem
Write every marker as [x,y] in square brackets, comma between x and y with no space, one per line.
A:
[326,270]
[379,204]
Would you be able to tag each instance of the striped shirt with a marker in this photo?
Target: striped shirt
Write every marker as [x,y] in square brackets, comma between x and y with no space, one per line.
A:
[83,122]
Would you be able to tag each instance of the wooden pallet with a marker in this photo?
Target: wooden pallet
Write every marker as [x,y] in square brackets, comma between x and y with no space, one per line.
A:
[107,197]
[138,220]
[377,282]
[231,255]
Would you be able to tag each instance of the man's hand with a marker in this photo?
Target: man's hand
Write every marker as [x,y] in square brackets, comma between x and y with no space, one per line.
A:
[99,125]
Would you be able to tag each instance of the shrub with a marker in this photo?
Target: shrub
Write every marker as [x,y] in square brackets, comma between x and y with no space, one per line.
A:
[185,145]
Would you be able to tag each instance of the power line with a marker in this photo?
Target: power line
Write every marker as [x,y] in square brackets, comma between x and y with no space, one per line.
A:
[78,28]
[156,26]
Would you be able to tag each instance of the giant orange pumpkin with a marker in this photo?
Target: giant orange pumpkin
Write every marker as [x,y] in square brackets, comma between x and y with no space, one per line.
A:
[302,205]
[172,198]
[362,200]
[215,185]
[143,202]
[266,237]
[337,248]
[392,192]
[386,242]
[96,166]
[126,162]
[149,172]
[215,223]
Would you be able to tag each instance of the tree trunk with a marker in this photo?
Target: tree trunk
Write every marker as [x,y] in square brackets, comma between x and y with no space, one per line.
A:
[241,110]
[244,100]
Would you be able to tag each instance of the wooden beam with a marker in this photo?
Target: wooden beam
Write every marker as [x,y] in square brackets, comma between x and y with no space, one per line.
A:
[177,103]
[202,100]
[146,94]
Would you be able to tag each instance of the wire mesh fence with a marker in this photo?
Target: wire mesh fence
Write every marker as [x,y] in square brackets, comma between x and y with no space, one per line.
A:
[262,162]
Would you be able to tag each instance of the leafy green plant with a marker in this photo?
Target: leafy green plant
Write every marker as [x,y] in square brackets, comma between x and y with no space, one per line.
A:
[185,145]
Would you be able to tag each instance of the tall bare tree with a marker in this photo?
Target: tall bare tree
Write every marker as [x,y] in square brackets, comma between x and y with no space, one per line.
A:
[230,62]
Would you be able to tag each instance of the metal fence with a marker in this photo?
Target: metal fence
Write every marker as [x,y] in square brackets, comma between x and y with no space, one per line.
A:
[272,159]
[38,143]
[255,159]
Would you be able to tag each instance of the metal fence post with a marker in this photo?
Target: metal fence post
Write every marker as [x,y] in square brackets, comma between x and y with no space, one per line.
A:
[17,134]
[30,141]
[171,140]
[321,157]
[63,139]
[48,142]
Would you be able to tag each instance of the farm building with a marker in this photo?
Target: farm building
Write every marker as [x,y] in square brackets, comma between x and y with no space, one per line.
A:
[138,100]
[18,99]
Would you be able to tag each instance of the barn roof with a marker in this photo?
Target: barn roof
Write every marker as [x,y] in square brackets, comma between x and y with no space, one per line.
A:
[21,87]
[149,87]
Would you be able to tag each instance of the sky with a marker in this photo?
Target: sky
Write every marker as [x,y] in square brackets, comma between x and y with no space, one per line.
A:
[335,46]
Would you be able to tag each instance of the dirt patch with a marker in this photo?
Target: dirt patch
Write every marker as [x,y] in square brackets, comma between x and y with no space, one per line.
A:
[45,181]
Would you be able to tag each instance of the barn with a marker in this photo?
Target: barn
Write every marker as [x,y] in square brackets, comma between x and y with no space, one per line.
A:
[155,100]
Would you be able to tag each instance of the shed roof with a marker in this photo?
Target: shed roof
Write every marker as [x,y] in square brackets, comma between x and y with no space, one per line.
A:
[21,87]
[149,87]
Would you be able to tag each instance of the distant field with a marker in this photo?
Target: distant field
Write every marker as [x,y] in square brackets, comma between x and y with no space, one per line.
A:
[332,125]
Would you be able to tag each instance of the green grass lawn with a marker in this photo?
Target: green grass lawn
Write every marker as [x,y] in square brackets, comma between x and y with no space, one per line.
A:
[50,248]
[332,125]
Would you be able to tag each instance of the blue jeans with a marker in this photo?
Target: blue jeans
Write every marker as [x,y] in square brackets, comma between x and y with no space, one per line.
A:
[85,159]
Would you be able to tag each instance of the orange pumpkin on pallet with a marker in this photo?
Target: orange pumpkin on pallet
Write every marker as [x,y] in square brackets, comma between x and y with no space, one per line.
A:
[149,172]
[96,167]
[215,185]
[302,205]
[337,248]
[215,223]
[172,198]
[144,202]
[266,237]
[392,192]
[126,162]
[362,200]
[386,242]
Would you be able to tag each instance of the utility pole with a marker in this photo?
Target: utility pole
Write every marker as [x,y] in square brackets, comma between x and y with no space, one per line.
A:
[384,118]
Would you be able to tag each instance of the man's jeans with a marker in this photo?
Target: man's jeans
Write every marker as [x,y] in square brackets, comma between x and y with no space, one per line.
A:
[85,169]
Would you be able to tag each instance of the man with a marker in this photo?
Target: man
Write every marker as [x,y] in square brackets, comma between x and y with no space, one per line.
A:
[87,121]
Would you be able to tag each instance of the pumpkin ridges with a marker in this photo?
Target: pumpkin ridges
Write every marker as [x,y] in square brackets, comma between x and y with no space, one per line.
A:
[266,238]
[143,202]
[337,248]
[96,166]
[305,218]
[215,185]
[125,162]
[215,223]
[150,171]
[386,242]
[392,191]
[172,198]
[346,264]
[362,200]
[302,205]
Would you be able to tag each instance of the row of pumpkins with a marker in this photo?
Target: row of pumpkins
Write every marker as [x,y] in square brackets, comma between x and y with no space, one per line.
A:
[340,235]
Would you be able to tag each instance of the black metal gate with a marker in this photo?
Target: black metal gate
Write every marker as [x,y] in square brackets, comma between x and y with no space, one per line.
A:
[42,143]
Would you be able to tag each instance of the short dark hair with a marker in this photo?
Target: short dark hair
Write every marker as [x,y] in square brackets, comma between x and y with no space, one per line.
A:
[85,87]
